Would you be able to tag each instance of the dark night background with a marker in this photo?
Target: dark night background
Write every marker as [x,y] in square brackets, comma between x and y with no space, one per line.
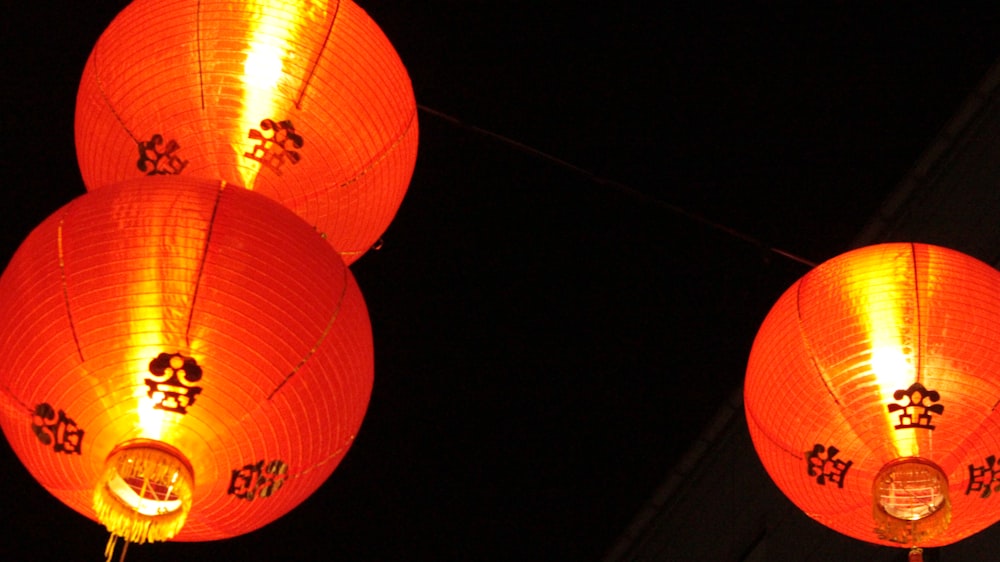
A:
[550,339]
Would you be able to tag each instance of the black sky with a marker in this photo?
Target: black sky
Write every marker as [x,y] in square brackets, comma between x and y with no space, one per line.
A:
[548,345]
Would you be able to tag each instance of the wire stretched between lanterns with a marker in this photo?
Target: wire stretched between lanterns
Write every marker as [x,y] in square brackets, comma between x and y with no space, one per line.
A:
[619,186]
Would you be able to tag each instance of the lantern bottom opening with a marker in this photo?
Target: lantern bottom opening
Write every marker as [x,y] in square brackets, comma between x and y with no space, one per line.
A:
[910,501]
[144,494]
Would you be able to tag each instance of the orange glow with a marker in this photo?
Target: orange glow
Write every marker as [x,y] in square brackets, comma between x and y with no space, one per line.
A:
[304,102]
[209,321]
[892,371]
[883,357]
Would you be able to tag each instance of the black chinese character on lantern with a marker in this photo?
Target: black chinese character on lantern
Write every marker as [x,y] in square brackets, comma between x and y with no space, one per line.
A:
[824,467]
[984,480]
[157,159]
[277,142]
[56,429]
[916,411]
[172,385]
[258,480]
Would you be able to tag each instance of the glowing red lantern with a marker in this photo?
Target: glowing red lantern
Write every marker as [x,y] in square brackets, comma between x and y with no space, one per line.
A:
[306,102]
[872,391]
[181,356]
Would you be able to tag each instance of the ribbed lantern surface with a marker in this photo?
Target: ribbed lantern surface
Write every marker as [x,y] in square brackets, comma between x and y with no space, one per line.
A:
[872,392]
[172,318]
[304,101]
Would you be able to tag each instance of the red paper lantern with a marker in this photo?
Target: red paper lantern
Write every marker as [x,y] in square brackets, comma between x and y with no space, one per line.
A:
[179,350]
[872,392]
[306,102]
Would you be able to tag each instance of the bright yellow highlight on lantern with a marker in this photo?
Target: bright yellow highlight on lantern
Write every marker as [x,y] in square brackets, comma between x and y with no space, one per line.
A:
[271,33]
[147,336]
[882,309]
[157,318]
[150,419]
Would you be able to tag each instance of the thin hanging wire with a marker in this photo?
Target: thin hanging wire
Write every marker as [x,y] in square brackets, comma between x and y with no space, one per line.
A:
[618,186]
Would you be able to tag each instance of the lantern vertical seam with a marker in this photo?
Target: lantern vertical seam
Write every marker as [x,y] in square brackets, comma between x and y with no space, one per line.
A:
[379,158]
[201,265]
[107,101]
[315,62]
[337,453]
[752,416]
[65,286]
[916,300]
[6,390]
[197,42]
[322,336]
[809,347]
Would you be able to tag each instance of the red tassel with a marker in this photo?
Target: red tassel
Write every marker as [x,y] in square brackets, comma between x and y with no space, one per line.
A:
[916,554]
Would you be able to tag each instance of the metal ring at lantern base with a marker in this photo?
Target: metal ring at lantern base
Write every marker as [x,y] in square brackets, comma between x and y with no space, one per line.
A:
[910,501]
[144,494]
